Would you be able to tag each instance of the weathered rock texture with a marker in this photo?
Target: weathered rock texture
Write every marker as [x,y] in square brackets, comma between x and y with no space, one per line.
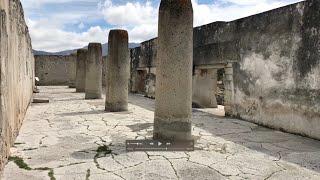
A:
[104,69]
[118,69]
[53,70]
[204,88]
[174,71]
[56,70]
[17,73]
[143,60]
[79,146]
[81,70]
[271,62]
[94,72]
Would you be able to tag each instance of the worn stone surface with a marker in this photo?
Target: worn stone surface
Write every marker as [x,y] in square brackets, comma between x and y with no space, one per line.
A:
[174,71]
[55,70]
[82,55]
[204,88]
[93,85]
[118,69]
[276,65]
[16,73]
[63,137]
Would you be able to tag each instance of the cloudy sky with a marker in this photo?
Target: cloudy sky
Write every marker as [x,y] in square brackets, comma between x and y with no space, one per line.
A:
[57,25]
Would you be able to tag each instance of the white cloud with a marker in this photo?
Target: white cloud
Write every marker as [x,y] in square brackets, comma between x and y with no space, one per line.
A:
[54,39]
[131,13]
[139,18]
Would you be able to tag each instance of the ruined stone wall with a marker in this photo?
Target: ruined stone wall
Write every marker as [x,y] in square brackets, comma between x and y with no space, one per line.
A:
[16,73]
[55,70]
[143,72]
[277,80]
[272,66]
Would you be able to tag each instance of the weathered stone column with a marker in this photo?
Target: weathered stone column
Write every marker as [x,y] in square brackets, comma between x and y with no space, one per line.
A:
[173,111]
[81,70]
[118,72]
[94,71]
[229,89]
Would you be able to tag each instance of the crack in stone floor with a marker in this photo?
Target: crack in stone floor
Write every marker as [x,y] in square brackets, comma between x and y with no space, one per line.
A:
[71,138]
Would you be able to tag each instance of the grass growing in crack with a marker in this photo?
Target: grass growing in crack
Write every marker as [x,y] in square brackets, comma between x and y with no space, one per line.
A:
[71,164]
[51,174]
[22,165]
[29,149]
[43,169]
[18,143]
[19,162]
[103,150]
[88,174]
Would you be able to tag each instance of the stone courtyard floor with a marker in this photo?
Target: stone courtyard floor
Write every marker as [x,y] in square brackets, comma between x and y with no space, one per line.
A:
[72,138]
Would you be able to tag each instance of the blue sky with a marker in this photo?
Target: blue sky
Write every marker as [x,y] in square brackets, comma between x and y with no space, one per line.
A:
[57,25]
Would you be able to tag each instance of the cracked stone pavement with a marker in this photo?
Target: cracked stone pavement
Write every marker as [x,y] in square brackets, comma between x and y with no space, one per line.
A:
[73,138]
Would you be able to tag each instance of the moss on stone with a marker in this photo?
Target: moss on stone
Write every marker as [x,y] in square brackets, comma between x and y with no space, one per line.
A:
[19,162]
[43,169]
[51,174]
[88,174]
[104,150]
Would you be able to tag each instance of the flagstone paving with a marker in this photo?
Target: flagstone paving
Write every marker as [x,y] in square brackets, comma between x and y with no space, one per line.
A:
[73,138]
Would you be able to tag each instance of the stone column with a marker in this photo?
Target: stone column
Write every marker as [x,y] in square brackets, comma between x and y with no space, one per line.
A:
[118,72]
[94,71]
[229,89]
[173,111]
[81,70]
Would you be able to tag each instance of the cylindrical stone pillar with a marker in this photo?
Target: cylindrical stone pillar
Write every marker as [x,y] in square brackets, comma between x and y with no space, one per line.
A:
[229,89]
[173,110]
[118,72]
[81,70]
[94,71]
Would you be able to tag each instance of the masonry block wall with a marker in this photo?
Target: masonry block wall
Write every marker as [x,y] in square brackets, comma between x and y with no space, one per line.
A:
[54,70]
[16,73]
[271,62]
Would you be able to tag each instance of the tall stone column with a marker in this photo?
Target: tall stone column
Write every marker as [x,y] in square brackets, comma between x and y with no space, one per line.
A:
[94,71]
[173,111]
[81,70]
[118,72]
[229,89]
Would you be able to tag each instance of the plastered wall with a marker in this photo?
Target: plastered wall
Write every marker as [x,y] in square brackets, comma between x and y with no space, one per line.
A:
[271,62]
[16,73]
[56,70]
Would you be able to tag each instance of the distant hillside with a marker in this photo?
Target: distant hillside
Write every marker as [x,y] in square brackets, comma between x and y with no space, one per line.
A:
[68,52]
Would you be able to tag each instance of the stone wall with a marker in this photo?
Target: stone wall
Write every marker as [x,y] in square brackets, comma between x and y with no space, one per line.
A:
[16,73]
[55,70]
[271,62]
[143,72]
